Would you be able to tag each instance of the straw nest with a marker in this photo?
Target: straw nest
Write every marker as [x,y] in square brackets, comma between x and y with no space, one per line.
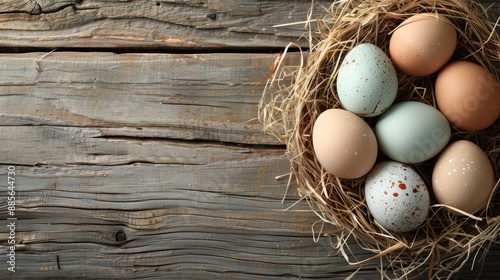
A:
[296,94]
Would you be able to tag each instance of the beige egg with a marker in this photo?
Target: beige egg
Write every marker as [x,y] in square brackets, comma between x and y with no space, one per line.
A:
[463,177]
[344,144]
[422,44]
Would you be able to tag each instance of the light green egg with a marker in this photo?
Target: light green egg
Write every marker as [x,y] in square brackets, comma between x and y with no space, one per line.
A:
[412,132]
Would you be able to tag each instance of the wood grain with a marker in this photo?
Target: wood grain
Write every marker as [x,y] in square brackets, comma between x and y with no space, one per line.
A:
[175,220]
[152,24]
[209,97]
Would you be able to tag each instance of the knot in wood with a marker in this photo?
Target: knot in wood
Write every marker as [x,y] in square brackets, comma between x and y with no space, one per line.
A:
[212,16]
[120,236]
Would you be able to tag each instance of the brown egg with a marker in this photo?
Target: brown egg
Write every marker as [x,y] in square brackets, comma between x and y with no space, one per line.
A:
[468,95]
[463,177]
[344,144]
[423,44]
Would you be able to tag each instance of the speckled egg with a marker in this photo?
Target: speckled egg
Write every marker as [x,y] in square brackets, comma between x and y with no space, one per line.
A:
[396,196]
[367,82]
[463,177]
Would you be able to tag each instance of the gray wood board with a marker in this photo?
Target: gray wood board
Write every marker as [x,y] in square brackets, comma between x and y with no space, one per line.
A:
[200,96]
[154,24]
[178,221]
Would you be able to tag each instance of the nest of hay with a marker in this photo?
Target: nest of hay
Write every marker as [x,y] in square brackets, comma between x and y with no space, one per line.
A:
[296,94]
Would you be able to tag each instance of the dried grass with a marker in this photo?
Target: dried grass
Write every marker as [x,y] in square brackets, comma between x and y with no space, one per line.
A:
[296,94]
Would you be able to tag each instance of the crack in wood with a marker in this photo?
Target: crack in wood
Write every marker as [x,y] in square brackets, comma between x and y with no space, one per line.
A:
[196,105]
[53,6]
[195,142]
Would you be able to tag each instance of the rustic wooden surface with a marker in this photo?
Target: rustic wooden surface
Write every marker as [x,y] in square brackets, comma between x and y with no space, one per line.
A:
[132,128]
[154,24]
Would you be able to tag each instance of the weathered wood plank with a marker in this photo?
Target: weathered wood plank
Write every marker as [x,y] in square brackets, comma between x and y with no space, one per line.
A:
[73,145]
[201,96]
[152,24]
[216,219]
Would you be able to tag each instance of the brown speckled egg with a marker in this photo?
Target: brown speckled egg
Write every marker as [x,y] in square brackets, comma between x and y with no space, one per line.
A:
[463,177]
[367,83]
[423,44]
[344,143]
[396,196]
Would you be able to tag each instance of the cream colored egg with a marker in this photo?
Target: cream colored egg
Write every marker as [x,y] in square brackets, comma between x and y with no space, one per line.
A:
[344,143]
[463,177]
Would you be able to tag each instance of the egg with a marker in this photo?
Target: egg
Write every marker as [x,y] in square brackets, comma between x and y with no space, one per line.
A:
[468,95]
[463,177]
[412,132]
[422,44]
[367,82]
[344,144]
[396,196]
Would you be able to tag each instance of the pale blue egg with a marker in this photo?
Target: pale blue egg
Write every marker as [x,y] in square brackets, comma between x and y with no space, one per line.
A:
[412,132]
[367,82]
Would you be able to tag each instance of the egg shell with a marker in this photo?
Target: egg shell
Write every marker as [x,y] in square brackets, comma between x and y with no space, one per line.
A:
[396,196]
[412,132]
[344,144]
[468,95]
[367,82]
[463,177]
[422,44]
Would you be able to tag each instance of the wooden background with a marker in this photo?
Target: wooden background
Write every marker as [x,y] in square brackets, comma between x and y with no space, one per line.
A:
[132,127]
